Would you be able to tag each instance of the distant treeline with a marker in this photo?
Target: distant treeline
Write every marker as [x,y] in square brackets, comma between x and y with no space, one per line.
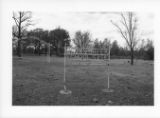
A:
[144,51]
[39,42]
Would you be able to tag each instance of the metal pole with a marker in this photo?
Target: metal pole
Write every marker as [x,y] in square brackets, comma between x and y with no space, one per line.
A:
[108,65]
[108,78]
[64,80]
[65,91]
[49,53]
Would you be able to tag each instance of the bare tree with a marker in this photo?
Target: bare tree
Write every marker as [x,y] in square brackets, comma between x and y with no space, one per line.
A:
[22,20]
[82,40]
[127,29]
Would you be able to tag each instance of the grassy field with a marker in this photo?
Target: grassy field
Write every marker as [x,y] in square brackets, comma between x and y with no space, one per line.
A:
[37,82]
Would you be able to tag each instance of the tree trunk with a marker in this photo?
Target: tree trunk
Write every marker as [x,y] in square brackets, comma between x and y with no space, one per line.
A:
[132,56]
[59,48]
[19,49]
[39,50]
[19,39]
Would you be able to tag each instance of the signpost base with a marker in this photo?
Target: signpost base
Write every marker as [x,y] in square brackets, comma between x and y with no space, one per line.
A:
[65,92]
[108,90]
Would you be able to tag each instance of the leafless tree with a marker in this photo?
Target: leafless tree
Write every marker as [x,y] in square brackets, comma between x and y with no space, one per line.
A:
[82,40]
[127,29]
[22,20]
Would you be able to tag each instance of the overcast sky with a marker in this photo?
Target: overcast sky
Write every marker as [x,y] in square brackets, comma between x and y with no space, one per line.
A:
[97,23]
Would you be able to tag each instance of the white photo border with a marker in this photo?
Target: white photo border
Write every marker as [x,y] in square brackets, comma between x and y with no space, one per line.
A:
[9,111]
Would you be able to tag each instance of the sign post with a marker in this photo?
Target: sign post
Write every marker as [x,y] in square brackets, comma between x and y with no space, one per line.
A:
[108,75]
[65,91]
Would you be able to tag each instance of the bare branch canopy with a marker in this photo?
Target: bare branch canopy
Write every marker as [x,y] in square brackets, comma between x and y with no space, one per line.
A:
[127,29]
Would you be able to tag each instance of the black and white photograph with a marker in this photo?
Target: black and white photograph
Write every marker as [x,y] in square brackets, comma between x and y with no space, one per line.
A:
[79,59]
[83,58]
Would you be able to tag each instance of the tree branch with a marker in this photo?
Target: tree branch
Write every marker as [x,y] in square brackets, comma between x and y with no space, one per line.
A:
[16,21]
[124,22]
[124,35]
[26,19]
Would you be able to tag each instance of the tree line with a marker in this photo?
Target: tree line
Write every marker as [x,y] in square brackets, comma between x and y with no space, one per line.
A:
[58,37]
[39,41]
[144,51]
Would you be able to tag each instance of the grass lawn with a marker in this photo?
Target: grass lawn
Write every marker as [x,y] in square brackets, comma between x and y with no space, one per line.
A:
[37,82]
